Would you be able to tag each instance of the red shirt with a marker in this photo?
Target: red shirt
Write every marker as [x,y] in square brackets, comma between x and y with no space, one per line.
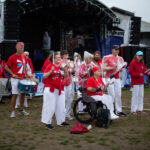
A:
[2,69]
[17,64]
[93,83]
[135,69]
[55,80]
[111,61]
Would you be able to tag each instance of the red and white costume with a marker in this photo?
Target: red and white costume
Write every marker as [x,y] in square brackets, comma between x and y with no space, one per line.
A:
[114,89]
[17,65]
[83,77]
[2,69]
[137,82]
[99,96]
[54,97]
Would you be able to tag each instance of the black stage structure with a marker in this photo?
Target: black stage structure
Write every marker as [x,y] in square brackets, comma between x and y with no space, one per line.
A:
[28,20]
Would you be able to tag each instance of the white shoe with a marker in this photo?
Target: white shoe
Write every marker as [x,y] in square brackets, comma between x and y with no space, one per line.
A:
[12,115]
[113,116]
[16,106]
[69,118]
[23,112]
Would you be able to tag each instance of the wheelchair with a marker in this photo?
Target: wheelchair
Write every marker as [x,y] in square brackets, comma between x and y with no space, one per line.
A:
[91,108]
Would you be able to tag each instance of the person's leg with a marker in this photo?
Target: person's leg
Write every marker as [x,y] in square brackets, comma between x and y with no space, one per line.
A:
[140,98]
[70,97]
[22,98]
[107,100]
[60,107]
[111,91]
[17,101]
[15,92]
[26,102]
[117,89]
[134,99]
[48,109]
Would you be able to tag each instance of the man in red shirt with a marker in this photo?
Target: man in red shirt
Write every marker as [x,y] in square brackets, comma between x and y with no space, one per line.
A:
[16,67]
[97,59]
[111,64]
[137,70]
[95,87]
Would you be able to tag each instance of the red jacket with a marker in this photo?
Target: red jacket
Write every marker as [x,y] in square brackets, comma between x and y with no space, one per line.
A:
[135,69]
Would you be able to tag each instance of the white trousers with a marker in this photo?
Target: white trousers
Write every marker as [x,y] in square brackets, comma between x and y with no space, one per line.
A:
[114,90]
[18,101]
[53,103]
[107,100]
[69,96]
[137,98]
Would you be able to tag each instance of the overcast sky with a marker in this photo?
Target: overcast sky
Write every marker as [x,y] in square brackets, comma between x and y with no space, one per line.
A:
[141,8]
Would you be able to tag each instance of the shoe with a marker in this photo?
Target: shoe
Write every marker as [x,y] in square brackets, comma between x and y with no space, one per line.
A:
[23,112]
[16,106]
[121,114]
[134,113]
[142,112]
[64,124]
[12,115]
[113,116]
[69,118]
[49,127]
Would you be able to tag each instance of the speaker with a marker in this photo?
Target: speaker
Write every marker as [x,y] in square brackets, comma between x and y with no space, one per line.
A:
[135,30]
[11,20]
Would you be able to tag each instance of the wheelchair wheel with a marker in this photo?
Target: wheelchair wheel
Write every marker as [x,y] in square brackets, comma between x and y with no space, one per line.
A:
[84,117]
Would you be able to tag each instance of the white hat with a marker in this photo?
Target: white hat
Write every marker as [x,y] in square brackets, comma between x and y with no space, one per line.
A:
[87,55]
[27,53]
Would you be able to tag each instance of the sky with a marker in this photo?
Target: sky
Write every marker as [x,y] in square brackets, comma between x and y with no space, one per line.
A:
[141,8]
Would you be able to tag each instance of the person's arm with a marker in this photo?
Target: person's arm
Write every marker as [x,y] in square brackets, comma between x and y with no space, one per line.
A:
[66,72]
[106,68]
[46,75]
[10,72]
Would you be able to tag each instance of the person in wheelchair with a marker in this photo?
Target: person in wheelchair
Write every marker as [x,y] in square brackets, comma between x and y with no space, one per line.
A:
[95,87]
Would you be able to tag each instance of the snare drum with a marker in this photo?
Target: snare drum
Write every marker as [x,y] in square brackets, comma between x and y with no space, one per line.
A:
[27,86]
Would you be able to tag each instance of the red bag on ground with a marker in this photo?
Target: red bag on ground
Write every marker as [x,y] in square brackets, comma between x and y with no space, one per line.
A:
[78,128]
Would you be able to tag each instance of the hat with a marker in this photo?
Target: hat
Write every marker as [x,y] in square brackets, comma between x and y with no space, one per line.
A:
[95,69]
[27,53]
[139,53]
[87,55]
[115,47]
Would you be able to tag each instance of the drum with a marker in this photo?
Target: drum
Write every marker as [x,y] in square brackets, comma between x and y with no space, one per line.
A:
[27,86]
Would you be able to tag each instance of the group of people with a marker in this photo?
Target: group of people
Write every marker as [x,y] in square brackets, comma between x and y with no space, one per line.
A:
[62,77]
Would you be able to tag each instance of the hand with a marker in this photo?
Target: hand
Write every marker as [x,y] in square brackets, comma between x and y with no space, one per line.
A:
[14,76]
[114,67]
[112,76]
[52,69]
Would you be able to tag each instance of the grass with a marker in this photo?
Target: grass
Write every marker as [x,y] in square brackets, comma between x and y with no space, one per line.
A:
[28,133]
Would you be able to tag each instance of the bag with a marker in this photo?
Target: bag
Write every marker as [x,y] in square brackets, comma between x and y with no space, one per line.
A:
[8,85]
[103,117]
[78,128]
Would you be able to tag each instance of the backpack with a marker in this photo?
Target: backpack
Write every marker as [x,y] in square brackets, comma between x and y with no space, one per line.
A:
[103,117]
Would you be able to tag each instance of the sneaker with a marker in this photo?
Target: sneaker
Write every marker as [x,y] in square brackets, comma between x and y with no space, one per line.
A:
[121,114]
[49,127]
[142,112]
[16,106]
[69,118]
[113,116]
[64,124]
[134,113]
[23,112]
[12,115]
